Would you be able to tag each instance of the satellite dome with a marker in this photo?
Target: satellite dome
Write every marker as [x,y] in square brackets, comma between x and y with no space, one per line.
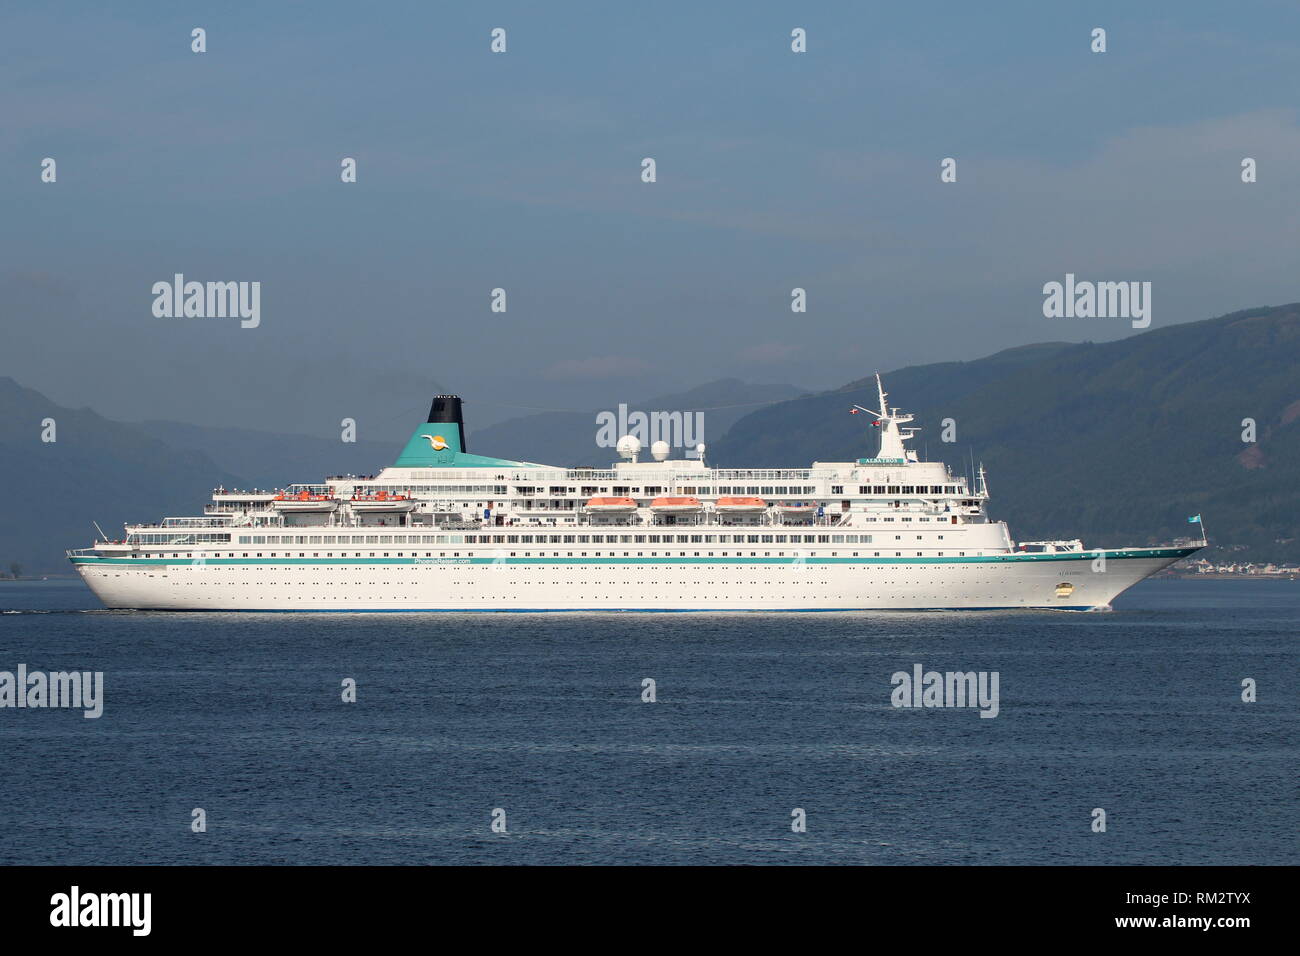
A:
[660,450]
[628,446]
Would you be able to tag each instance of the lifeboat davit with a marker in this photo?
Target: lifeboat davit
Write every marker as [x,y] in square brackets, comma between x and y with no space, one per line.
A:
[304,503]
[741,505]
[381,502]
[675,506]
[611,505]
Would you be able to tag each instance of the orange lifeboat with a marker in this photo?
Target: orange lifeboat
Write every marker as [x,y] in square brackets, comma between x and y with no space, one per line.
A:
[304,502]
[611,505]
[740,505]
[671,506]
[381,502]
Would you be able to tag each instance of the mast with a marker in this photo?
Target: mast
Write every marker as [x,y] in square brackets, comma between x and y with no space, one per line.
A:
[891,436]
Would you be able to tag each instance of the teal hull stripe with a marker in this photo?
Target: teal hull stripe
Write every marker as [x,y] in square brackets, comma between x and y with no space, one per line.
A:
[976,559]
[607,610]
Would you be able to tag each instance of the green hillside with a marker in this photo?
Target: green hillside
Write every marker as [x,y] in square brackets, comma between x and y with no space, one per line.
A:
[1117,443]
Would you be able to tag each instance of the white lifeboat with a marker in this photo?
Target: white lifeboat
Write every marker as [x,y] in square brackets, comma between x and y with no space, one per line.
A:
[611,505]
[796,508]
[740,505]
[381,502]
[304,503]
[675,506]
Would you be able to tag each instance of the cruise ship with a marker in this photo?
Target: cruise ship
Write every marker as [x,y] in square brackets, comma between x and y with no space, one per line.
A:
[445,530]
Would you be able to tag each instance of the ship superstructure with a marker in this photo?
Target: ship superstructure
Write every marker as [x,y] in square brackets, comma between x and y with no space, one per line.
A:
[442,529]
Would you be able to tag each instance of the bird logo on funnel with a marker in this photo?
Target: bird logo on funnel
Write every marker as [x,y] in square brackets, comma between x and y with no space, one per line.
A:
[438,442]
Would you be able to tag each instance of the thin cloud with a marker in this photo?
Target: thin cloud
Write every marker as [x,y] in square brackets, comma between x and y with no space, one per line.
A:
[596,368]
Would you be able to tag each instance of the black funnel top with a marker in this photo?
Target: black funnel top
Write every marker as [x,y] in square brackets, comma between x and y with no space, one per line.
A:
[446,409]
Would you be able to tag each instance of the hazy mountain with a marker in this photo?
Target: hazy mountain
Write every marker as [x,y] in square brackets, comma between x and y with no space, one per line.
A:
[268,460]
[1117,443]
[95,470]
[569,438]
[112,472]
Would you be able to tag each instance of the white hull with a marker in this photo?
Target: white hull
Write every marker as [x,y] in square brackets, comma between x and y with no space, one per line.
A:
[538,584]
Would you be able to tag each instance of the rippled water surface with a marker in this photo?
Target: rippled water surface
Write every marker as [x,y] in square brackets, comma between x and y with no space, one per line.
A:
[1137,711]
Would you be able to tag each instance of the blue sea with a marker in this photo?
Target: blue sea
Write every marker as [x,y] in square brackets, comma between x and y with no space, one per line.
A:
[540,716]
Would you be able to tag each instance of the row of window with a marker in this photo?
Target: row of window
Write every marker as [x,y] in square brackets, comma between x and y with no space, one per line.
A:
[394,539]
[526,554]
[589,490]
[769,490]
[387,539]
[902,490]
[435,490]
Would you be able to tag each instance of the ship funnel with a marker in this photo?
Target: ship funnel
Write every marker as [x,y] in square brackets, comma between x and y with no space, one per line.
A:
[440,441]
[446,410]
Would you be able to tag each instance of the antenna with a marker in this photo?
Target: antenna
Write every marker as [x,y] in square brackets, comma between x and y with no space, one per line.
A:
[100,530]
[892,437]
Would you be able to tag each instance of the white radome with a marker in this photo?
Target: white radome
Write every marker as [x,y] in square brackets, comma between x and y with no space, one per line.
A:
[629,446]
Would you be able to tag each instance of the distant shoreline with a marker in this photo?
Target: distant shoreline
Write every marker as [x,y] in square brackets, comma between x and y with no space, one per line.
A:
[1216,576]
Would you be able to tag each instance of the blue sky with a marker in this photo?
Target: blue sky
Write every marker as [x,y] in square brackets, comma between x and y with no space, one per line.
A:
[522,171]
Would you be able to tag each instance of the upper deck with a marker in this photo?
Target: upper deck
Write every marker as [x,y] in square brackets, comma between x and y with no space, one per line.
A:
[436,486]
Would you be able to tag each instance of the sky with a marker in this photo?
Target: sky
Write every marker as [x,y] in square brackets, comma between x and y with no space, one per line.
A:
[522,170]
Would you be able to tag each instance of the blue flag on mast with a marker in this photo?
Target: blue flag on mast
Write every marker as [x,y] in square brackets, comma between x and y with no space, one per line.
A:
[1194,519]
